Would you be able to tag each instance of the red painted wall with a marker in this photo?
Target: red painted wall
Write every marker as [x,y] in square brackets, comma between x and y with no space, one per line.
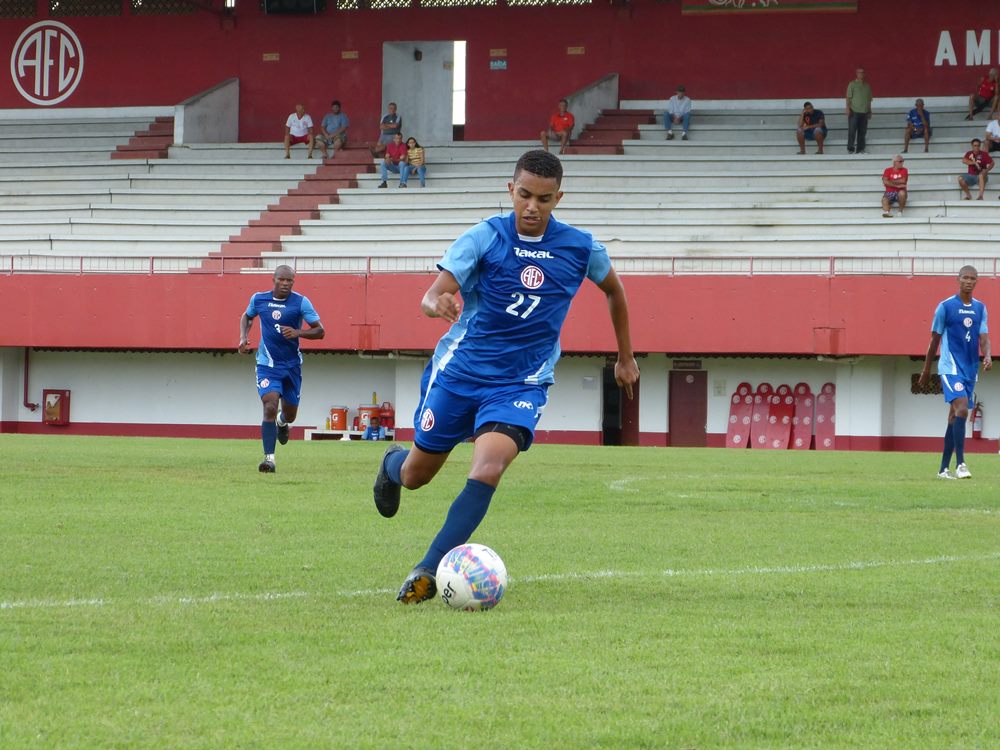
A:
[161,60]
[705,315]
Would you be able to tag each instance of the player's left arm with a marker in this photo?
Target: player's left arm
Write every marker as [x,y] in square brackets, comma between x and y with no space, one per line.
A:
[626,368]
[314,331]
[311,318]
[984,341]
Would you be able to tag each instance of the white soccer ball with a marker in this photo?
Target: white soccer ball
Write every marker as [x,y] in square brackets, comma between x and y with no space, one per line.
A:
[471,577]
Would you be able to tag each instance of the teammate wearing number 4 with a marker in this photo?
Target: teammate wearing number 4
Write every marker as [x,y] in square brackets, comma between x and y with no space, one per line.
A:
[490,372]
[960,327]
[279,361]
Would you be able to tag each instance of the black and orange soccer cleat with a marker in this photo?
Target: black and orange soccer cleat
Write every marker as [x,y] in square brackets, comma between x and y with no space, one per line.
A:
[418,587]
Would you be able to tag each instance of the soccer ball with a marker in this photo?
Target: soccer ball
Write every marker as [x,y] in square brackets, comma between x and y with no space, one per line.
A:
[471,577]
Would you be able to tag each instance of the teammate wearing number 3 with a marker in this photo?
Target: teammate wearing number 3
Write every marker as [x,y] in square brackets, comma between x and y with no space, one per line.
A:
[488,378]
[284,315]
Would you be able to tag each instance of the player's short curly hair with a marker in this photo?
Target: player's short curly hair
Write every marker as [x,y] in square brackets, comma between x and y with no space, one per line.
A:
[540,163]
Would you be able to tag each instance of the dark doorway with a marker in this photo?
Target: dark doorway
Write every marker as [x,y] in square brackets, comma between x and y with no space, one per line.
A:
[688,408]
[620,416]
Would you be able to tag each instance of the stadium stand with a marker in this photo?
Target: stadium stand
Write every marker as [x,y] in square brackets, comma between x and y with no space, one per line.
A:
[738,189]
[737,193]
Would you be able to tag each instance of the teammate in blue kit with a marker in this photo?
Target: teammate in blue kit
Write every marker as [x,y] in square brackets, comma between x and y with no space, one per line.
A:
[490,372]
[279,361]
[960,327]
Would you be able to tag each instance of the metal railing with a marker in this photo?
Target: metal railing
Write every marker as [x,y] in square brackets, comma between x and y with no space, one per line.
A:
[761,265]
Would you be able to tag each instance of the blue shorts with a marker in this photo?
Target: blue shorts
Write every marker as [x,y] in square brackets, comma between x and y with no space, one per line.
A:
[955,387]
[286,381]
[972,180]
[445,418]
[810,133]
[892,196]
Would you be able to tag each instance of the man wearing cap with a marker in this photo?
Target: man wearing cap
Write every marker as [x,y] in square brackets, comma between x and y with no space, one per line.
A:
[678,113]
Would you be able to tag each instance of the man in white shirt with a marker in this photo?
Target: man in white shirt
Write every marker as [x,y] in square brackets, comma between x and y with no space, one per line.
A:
[298,129]
[678,113]
[992,137]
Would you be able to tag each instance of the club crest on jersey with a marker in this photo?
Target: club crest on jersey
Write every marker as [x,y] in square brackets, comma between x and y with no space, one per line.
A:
[967,322]
[276,314]
[532,277]
[959,387]
[427,420]
[264,383]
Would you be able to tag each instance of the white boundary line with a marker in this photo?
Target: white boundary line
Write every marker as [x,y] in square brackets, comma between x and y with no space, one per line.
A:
[544,578]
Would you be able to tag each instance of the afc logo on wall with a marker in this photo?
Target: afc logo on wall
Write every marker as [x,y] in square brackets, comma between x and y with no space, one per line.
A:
[46,63]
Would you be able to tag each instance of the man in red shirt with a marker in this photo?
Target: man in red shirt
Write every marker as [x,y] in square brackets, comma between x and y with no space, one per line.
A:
[986,95]
[894,179]
[560,127]
[395,161]
[980,163]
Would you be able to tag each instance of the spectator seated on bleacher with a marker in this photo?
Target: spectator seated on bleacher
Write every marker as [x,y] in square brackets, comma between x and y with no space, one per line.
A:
[979,164]
[415,160]
[918,123]
[678,112]
[811,127]
[333,130]
[298,129]
[985,96]
[992,136]
[395,161]
[894,180]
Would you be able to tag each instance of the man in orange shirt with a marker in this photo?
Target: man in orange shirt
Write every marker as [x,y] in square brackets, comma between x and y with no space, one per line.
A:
[560,127]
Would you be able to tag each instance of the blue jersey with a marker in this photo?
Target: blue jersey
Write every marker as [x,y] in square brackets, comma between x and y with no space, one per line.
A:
[914,118]
[275,350]
[516,292]
[960,326]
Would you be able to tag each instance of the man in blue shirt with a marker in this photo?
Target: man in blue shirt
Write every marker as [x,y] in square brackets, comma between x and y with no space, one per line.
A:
[279,360]
[812,127]
[333,130]
[960,327]
[490,372]
[918,123]
[374,430]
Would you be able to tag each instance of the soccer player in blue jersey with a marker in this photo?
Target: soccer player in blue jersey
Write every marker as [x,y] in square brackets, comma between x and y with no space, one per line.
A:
[488,378]
[279,361]
[960,327]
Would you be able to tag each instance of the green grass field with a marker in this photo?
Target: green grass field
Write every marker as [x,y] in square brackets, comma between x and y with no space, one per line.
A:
[163,594]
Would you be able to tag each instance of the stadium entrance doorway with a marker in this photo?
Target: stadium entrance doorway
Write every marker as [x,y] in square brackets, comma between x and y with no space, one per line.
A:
[420,78]
[688,408]
[619,416]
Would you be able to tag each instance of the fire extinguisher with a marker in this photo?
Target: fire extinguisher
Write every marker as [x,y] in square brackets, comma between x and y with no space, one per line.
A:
[977,421]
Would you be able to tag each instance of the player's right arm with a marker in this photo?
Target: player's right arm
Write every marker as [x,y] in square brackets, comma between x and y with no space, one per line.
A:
[440,301]
[246,322]
[932,347]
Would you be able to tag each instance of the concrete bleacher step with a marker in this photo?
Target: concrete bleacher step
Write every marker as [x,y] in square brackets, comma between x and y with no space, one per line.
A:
[225,206]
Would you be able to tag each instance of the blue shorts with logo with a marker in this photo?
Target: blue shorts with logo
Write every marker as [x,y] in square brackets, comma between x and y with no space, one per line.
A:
[956,387]
[286,381]
[445,418]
